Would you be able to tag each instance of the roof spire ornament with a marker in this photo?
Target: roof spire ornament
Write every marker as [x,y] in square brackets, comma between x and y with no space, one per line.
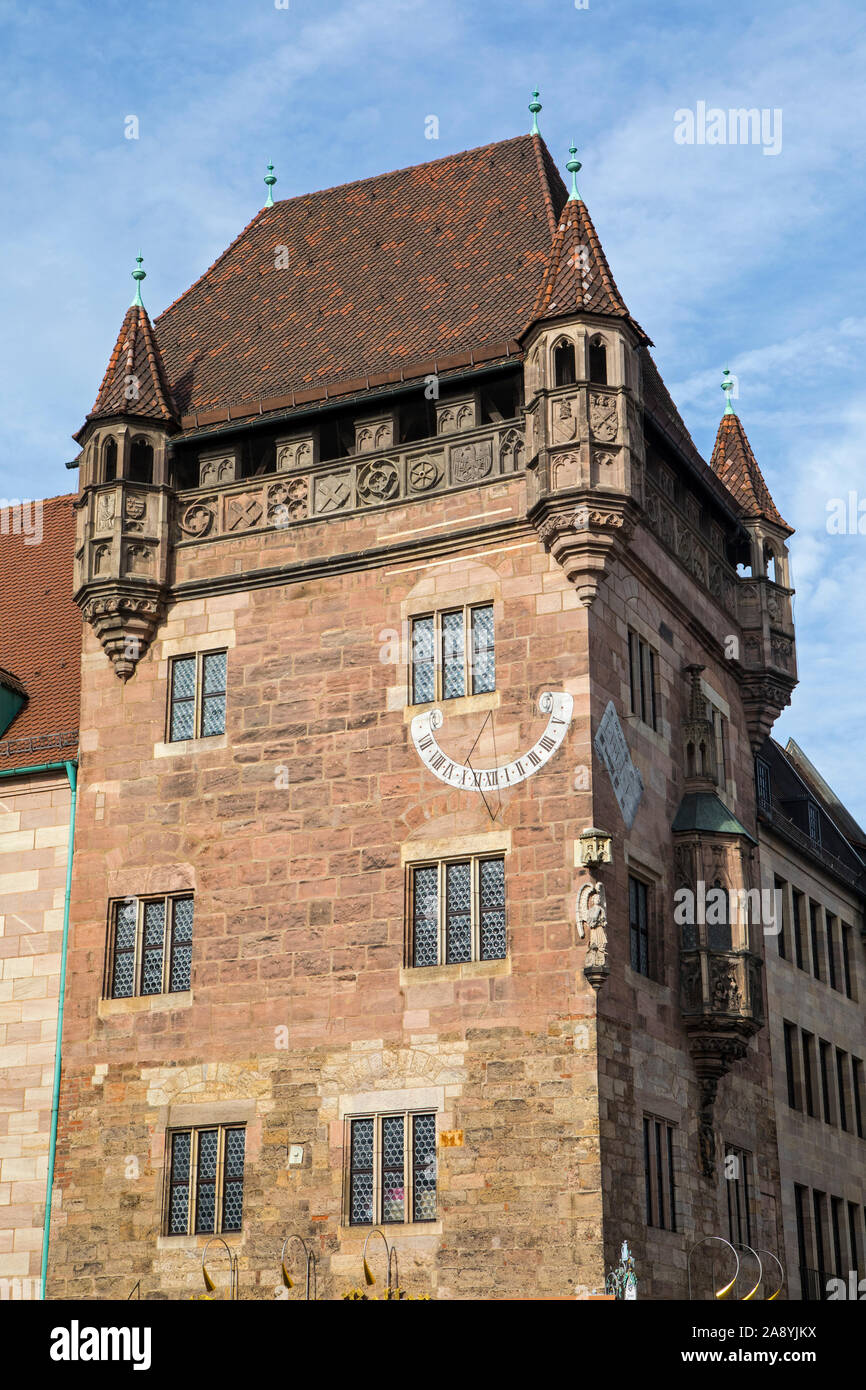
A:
[138,275]
[573,166]
[535,107]
[270,180]
[727,387]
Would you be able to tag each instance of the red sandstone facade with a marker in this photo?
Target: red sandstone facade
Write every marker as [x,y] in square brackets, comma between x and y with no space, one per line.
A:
[546,475]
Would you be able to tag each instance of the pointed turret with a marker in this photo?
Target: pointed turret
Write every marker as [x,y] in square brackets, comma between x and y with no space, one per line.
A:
[122,547]
[134,384]
[736,466]
[764,596]
[582,379]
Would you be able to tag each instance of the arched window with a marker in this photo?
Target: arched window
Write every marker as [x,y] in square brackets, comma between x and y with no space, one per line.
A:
[141,462]
[563,364]
[598,361]
[770,564]
[109,459]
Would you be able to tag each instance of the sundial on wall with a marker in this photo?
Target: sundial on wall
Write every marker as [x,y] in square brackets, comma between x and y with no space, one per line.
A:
[556,704]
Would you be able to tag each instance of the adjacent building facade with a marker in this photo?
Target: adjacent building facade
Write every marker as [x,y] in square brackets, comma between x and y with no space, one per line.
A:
[425,662]
[40,653]
[812,855]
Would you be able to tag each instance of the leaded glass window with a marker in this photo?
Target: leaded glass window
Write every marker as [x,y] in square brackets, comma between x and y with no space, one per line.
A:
[457,911]
[197,696]
[150,950]
[453,654]
[392,1169]
[206,1180]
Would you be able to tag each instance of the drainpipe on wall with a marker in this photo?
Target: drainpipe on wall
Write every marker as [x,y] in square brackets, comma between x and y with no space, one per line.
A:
[72,777]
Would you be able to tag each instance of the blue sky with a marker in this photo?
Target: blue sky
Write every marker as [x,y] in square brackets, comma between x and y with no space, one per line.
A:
[724,254]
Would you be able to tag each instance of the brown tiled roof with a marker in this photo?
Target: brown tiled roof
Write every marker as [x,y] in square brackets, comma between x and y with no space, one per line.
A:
[438,260]
[40,638]
[733,461]
[136,356]
[577,277]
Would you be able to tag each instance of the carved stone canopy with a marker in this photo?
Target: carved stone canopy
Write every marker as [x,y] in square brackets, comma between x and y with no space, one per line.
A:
[594,847]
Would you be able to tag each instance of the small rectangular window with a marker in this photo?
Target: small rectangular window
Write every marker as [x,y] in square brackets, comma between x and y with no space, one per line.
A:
[762,783]
[150,947]
[391,1169]
[832,923]
[826,1091]
[790,1037]
[808,1072]
[643,680]
[781,937]
[737,1165]
[453,654]
[845,938]
[197,696]
[638,920]
[457,911]
[205,1180]
[814,824]
[814,932]
[797,901]
[658,1140]
[858,1097]
[842,1086]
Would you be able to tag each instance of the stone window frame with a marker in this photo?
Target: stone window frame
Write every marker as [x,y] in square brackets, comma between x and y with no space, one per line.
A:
[659,1161]
[441,862]
[468,609]
[140,900]
[198,696]
[378,1115]
[647,670]
[195,1129]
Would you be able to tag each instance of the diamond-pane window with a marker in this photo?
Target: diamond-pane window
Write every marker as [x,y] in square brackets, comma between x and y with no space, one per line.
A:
[491,875]
[150,947]
[197,703]
[453,655]
[424,1167]
[123,967]
[361,1175]
[211,1186]
[392,1169]
[423,661]
[483,651]
[458,912]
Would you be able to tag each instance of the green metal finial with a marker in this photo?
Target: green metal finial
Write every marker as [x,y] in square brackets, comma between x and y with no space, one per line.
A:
[138,275]
[573,166]
[535,107]
[727,387]
[270,180]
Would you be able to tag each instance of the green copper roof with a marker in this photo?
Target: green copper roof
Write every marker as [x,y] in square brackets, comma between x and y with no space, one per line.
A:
[704,811]
[727,387]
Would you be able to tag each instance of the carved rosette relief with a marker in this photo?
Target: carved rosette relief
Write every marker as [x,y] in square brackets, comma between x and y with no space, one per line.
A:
[424,474]
[197,519]
[378,481]
[287,501]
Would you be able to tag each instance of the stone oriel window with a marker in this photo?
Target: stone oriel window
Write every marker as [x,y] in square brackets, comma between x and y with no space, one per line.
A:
[661,1197]
[150,947]
[453,654]
[457,911]
[205,1180]
[391,1173]
[643,682]
[197,696]
[738,1165]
